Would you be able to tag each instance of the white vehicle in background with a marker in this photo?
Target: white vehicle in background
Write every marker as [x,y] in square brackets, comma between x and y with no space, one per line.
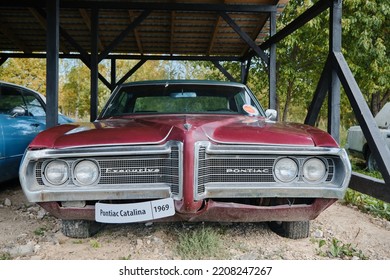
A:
[357,144]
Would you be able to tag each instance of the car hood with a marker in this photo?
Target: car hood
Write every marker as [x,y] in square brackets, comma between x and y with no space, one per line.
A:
[145,130]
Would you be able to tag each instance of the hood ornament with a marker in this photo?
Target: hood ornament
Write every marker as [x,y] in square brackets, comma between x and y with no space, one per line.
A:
[187,126]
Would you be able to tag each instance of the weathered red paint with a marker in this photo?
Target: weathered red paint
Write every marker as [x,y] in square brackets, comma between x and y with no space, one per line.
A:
[213,211]
[157,129]
[146,129]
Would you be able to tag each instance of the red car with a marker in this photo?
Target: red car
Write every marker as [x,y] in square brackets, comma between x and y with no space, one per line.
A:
[184,151]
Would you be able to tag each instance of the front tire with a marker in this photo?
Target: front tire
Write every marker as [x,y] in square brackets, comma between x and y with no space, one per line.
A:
[80,228]
[292,230]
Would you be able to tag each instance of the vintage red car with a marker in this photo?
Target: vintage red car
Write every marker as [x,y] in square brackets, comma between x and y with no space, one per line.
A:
[184,151]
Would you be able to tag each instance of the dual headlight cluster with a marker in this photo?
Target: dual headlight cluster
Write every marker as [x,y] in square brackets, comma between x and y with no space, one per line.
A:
[288,169]
[87,172]
[60,172]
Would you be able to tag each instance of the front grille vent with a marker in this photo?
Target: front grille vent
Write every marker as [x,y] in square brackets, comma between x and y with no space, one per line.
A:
[242,169]
[133,169]
[233,169]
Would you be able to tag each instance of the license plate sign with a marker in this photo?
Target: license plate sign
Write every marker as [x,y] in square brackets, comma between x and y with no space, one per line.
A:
[134,212]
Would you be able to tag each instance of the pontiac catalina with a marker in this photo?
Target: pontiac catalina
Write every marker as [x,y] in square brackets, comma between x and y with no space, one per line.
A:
[184,151]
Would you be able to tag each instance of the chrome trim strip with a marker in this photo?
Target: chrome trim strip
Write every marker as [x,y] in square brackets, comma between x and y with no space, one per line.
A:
[268,150]
[101,193]
[246,143]
[237,190]
[125,144]
[100,151]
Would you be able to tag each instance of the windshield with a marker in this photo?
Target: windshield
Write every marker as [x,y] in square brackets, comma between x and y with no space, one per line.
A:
[179,99]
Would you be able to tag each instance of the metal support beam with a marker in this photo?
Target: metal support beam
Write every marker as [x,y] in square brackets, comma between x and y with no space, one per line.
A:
[245,37]
[140,5]
[224,71]
[94,64]
[370,186]
[334,86]
[124,33]
[42,21]
[160,6]
[131,72]
[11,35]
[83,55]
[304,18]
[363,114]
[52,72]
[245,66]
[272,64]
[3,60]
[130,57]
[65,35]
[113,74]
[87,21]
[319,94]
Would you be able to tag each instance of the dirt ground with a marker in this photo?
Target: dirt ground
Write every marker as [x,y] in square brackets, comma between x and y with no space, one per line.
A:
[341,232]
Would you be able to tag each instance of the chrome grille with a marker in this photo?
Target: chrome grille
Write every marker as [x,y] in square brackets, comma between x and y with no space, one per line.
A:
[38,173]
[215,169]
[133,169]
[168,166]
[330,170]
[245,168]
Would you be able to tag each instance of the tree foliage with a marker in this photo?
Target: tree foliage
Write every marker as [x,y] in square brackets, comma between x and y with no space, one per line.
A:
[75,86]
[366,40]
[30,73]
[300,59]
[302,55]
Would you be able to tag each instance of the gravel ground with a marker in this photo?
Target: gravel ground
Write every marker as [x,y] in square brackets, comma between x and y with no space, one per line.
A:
[341,232]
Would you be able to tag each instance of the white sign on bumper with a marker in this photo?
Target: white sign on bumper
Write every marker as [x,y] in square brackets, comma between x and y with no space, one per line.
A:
[134,212]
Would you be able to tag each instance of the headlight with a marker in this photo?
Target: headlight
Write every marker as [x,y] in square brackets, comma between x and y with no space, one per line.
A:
[286,170]
[314,170]
[86,172]
[56,172]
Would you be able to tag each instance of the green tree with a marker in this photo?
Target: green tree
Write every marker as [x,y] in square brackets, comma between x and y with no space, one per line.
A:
[26,72]
[302,55]
[300,59]
[366,41]
[150,70]
[75,91]
[75,83]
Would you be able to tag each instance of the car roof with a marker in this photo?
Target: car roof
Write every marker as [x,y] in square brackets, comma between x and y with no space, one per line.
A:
[197,82]
[26,88]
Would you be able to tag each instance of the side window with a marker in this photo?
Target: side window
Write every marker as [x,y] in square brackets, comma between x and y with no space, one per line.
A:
[240,101]
[10,99]
[34,106]
[243,98]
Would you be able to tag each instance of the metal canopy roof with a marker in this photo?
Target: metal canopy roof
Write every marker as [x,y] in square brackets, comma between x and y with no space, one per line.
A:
[159,27]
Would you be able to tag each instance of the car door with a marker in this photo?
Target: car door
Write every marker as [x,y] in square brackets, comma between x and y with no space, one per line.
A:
[22,118]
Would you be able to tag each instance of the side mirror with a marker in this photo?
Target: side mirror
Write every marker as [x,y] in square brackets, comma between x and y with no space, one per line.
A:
[18,111]
[271,114]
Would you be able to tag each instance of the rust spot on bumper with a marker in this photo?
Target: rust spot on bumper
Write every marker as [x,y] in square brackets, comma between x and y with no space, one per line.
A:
[214,212]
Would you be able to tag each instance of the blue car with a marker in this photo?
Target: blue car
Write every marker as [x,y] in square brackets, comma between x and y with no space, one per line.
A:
[22,117]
